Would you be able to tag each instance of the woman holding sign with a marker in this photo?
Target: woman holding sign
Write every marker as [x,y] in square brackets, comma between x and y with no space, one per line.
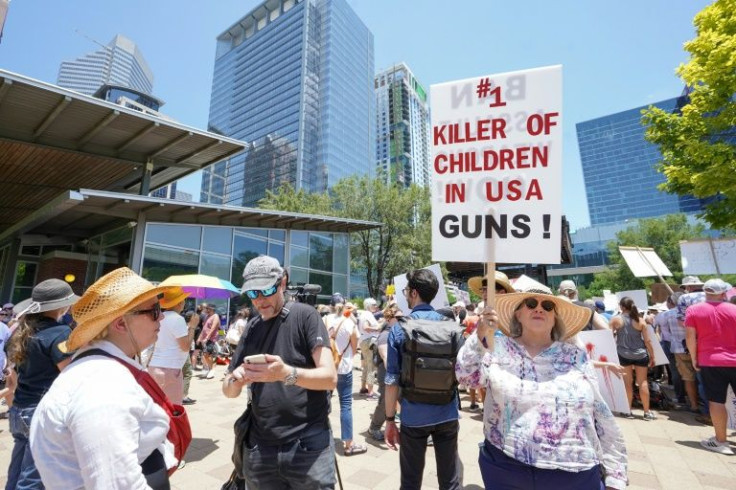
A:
[544,419]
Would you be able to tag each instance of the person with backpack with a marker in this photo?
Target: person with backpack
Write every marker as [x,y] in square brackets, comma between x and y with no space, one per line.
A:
[546,423]
[105,423]
[429,400]
[390,317]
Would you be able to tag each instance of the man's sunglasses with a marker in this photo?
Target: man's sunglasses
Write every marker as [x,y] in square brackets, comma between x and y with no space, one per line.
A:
[253,293]
[155,312]
[532,303]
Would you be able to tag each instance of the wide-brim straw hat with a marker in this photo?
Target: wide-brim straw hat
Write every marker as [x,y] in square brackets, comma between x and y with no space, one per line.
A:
[476,283]
[573,317]
[47,295]
[173,297]
[113,295]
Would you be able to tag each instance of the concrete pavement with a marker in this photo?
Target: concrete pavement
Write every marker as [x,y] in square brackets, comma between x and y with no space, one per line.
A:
[663,454]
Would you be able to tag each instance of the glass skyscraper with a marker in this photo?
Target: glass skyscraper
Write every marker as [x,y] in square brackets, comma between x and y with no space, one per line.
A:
[119,63]
[293,78]
[402,126]
[620,169]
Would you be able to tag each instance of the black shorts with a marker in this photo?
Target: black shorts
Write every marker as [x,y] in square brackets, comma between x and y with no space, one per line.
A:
[634,362]
[716,380]
[210,348]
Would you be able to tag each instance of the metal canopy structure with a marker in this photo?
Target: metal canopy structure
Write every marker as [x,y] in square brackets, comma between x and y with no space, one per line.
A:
[85,213]
[53,139]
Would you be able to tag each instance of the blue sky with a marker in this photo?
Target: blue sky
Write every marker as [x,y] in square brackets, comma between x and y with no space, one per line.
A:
[615,55]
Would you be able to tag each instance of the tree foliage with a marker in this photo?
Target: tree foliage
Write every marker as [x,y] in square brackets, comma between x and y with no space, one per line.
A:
[661,234]
[401,244]
[698,145]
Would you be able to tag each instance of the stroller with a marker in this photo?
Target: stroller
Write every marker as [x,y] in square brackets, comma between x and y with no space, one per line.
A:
[658,398]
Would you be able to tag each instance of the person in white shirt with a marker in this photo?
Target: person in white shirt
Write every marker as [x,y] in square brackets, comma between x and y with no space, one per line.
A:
[97,428]
[368,328]
[172,346]
[345,333]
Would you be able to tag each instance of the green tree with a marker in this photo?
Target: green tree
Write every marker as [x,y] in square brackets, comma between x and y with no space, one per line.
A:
[402,243]
[661,234]
[698,144]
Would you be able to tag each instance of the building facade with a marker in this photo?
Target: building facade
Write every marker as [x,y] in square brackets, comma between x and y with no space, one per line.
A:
[402,127]
[293,78]
[620,169]
[119,63]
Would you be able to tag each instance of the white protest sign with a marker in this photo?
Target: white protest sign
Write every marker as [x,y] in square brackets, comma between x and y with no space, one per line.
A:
[638,295]
[644,262]
[496,168]
[709,256]
[660,358]
[601,347]
[439,301]
[524,282]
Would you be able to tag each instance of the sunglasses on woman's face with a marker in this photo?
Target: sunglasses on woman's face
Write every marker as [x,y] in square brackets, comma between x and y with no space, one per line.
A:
[532,303]
[253,293]
[155,312]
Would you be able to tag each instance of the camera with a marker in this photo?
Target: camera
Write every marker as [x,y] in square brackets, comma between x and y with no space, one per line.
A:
[305,293]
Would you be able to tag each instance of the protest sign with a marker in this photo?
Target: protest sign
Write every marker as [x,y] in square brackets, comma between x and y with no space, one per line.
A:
[439,301]
[638,295]
[601,347]
[644,262]
[496,168]
[708,256]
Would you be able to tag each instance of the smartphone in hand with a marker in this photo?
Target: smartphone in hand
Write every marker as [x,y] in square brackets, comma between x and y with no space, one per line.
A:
[255,359]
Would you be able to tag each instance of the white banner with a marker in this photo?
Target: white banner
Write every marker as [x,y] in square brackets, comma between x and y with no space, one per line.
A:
[496,168]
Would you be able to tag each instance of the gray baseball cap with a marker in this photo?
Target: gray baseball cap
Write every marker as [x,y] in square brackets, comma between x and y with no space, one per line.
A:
[716,286]
[261,273]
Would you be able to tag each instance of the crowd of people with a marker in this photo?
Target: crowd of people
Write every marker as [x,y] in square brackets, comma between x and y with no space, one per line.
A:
[112,387]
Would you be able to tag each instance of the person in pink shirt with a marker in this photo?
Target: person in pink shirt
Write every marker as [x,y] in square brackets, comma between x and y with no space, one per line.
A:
[207,339]
[711,340]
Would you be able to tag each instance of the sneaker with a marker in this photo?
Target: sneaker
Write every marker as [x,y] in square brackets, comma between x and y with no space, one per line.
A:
[210,374]
[181,464]
[474,407]
[364,391]
[649,415]
[376,434]
[717,447]
[188,401]
[630,415]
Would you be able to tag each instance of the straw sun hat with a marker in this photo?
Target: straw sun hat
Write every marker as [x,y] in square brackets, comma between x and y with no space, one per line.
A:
[113,295]
[476,283]
[573,317]
[173,297]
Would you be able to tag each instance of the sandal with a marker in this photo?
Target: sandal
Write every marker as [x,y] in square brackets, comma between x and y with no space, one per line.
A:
[355,449]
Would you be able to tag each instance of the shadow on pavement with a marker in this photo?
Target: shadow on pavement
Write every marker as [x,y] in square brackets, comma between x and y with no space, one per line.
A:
[200,448]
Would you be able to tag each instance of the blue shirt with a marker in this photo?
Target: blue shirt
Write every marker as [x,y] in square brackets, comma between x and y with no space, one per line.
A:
[415,414]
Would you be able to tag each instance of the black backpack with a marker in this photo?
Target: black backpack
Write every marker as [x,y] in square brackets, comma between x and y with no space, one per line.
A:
[428,360]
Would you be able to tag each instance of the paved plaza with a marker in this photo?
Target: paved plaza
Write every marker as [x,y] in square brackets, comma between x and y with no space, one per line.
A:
[663,454]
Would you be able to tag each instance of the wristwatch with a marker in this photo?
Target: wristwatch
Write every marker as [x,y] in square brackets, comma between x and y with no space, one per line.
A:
[291,378]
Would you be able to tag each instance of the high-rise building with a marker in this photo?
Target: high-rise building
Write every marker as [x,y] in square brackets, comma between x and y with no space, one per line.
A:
[119,63]
[620,169]
[402,126]
[293,78]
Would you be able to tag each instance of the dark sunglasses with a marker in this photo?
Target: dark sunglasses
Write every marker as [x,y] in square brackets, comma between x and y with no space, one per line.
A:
[253,293]
[532,303]
[155,312]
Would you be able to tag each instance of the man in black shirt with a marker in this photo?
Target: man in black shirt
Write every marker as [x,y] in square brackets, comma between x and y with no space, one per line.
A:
[289,443]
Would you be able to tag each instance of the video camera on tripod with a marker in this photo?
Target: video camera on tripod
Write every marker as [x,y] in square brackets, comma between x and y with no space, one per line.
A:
[305,293]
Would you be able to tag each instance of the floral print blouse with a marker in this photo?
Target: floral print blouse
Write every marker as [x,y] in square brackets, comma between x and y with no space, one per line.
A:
[545,411]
